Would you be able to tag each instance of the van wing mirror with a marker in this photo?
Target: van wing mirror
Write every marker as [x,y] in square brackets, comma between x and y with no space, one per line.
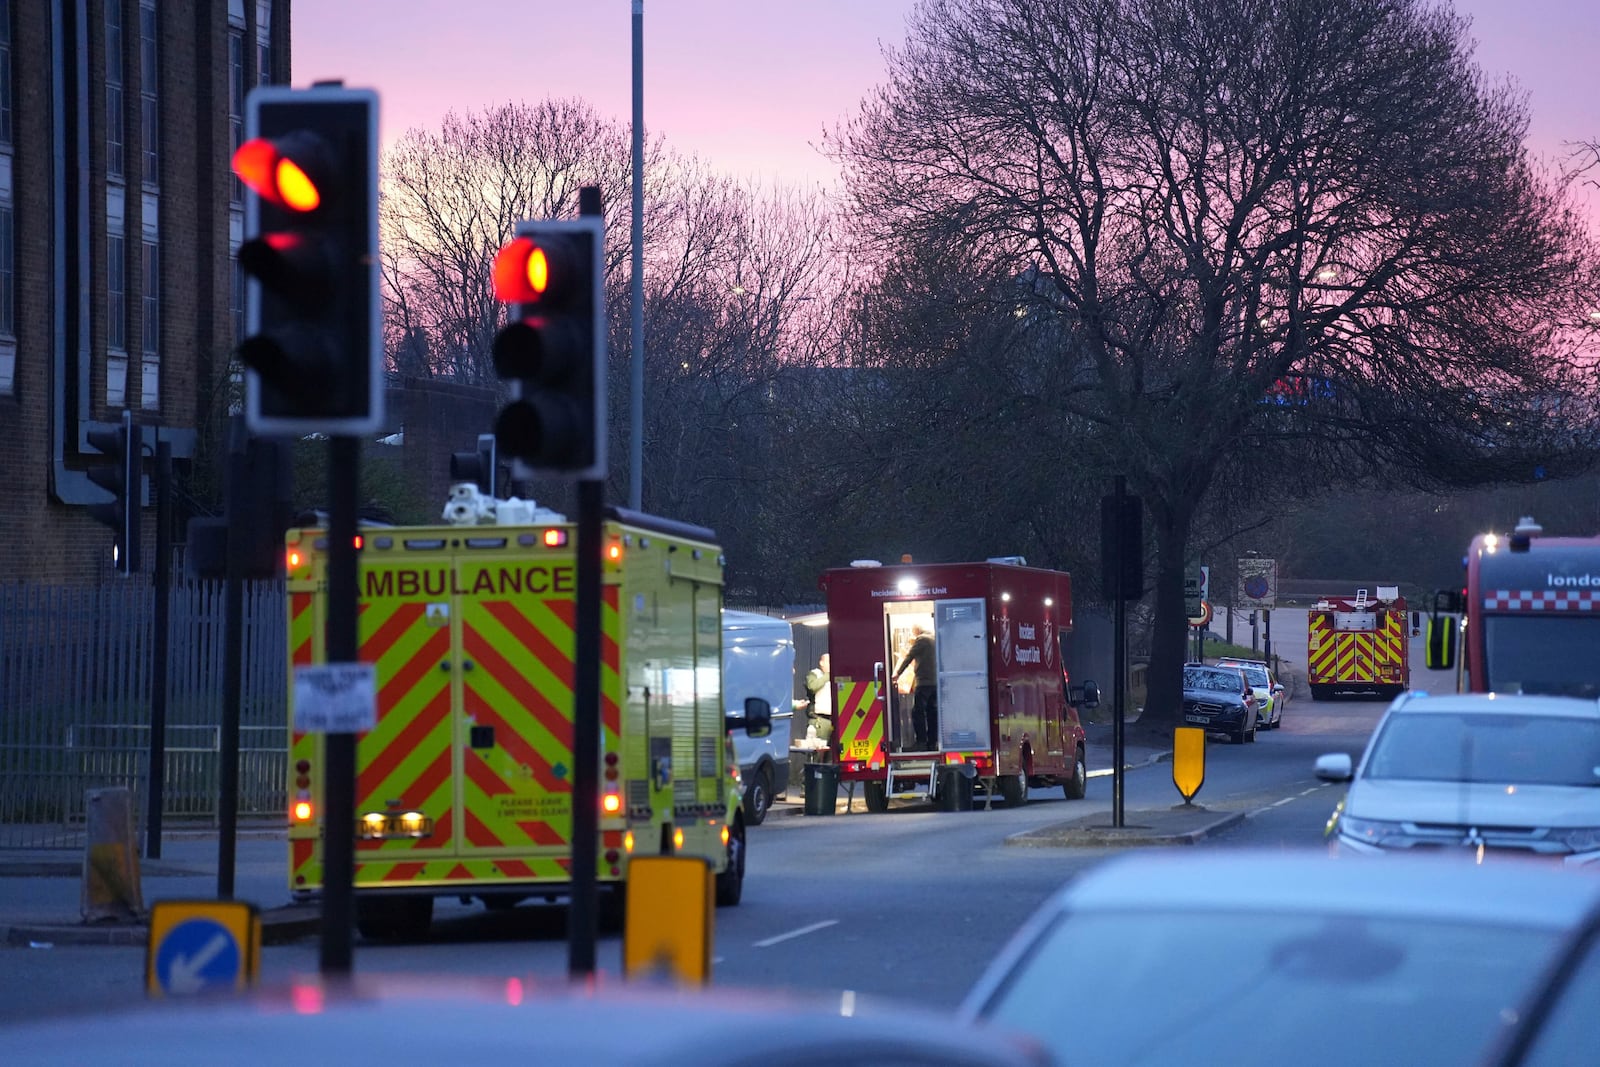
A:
[1442,634]
[1087,695]
[757,716]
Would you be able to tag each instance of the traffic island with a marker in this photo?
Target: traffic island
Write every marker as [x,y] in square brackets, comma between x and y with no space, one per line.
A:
[1182,824]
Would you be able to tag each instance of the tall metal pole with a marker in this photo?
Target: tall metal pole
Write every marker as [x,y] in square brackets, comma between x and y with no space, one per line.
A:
[1119,656]
[339,789]
[232,658]
[636,298]
[582,915]
[160,648]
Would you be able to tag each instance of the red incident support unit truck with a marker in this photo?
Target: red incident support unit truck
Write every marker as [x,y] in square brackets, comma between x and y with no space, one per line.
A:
[1001,713]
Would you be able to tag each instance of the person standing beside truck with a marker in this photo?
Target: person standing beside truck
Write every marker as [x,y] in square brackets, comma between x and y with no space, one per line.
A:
[821,711]
[925,700]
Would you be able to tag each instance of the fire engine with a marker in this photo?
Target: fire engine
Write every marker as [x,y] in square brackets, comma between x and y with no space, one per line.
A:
[1359,647]
[1530,616]
[1002,706]
[464,787]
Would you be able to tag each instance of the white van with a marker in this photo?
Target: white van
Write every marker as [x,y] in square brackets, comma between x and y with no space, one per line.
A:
[758,661]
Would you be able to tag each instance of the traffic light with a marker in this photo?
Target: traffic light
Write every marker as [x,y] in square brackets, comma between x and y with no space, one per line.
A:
[479,467]
[122,478]
[553,348]
[1121,547]
[314,345]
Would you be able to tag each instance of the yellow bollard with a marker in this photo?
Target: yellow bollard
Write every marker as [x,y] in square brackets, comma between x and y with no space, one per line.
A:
[1188,761]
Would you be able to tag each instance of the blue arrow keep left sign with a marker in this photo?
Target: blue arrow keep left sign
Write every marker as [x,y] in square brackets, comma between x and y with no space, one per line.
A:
[197,955]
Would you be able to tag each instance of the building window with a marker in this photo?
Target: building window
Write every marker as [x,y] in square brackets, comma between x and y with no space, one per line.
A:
[263,42]
[8,270]
[5,72]
[148,112]
[116,132]
[150,305]
[116,293]
[235,104]
[236,302]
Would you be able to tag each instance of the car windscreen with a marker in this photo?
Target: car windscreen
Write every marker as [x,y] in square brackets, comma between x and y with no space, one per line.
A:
[1256,676]
[1247,988]
[1551,655]
[1487,747]
[1211,681]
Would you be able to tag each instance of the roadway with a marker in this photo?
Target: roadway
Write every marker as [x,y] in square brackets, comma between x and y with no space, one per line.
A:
[909,905]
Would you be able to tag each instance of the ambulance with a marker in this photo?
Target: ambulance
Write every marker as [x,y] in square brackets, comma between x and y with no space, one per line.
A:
[1004,716]
[464,787]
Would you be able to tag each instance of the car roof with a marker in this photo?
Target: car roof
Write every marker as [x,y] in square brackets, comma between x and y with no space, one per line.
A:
[1422,702]
[1234,661]
[1312,881]
[429,1019]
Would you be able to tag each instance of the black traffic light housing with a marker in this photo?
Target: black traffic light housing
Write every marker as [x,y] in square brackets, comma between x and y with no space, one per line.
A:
[553,348]
[265,500]
[123,478]
[314,346]
[1121,547]
[480,467]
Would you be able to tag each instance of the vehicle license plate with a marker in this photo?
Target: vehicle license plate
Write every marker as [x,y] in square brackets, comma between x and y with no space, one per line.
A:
[860,750]
[1197,718]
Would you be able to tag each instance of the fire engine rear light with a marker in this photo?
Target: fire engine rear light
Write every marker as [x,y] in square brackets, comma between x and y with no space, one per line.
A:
[555,537]
[611,803]
[302,811]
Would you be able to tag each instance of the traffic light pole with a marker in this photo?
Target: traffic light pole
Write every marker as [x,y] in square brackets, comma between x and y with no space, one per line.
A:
[232,658]
[159,649]
[1119,662]
[586,734]
[339,783]
[586,706]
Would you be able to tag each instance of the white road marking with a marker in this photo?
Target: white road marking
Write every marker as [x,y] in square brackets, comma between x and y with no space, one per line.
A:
[792,934]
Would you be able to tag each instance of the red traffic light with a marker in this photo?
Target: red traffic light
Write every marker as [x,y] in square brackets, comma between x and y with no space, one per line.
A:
[286,171]
[521,272]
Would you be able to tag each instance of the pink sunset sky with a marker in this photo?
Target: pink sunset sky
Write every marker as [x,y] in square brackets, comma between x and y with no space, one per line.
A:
[750,85]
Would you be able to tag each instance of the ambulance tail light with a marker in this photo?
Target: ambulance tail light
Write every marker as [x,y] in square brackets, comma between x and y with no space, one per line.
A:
[293,559]
[302,811]
[677,839]
[614,552]
[725,835]
[611,803]
[627,842]
[554,537]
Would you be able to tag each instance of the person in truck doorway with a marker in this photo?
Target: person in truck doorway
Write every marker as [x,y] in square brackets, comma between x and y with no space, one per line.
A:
[821,702]
[925,701]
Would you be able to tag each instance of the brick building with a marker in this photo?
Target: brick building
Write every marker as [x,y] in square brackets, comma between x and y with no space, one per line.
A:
[118,220]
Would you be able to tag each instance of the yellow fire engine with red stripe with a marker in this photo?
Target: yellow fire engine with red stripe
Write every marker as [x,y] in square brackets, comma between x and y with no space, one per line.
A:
[1358,647]
[464,787]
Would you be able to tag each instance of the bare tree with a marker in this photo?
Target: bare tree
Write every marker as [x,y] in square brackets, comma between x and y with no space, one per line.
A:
[1221,194]
[450,201]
